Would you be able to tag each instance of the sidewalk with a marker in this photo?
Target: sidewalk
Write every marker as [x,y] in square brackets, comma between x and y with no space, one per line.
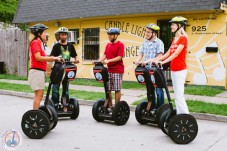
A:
[133,95]
[130,96]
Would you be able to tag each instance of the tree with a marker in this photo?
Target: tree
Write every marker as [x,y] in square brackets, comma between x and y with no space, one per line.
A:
[7,10]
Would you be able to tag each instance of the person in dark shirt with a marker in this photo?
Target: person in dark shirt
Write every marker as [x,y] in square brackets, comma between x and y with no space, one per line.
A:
[67,51]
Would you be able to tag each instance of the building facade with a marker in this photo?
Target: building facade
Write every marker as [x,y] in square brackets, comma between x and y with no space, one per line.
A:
[206,28]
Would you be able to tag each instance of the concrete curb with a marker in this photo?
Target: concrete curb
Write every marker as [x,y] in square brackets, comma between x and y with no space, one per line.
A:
[200,116]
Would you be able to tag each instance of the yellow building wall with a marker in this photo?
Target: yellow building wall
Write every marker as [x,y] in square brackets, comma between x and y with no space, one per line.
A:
[204,30]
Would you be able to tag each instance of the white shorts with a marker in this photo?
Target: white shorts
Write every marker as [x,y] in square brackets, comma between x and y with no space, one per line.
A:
[36,79]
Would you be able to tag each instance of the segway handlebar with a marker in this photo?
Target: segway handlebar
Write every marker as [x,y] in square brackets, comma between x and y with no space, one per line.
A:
[99,63]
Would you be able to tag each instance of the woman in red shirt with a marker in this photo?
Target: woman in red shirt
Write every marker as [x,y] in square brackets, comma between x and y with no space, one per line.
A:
[36,75]
[177,55]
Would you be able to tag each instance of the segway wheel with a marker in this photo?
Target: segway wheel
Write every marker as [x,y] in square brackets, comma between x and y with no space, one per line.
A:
[140,111]
[35,124]
[74,106]
[121,113]
[96,109]
[53,117]
[160,110]
[51,103]
[162,122]
[183,128]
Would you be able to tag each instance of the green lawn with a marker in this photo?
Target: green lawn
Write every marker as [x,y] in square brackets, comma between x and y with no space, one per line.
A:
[202,107]
[193,90]
[202,90]
[84,95]
[12,77]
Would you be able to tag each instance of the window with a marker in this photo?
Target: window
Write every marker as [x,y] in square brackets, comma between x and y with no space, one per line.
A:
[73,36]
[91,43]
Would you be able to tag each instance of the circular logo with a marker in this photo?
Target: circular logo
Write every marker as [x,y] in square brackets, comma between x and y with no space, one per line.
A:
[152,79]
[140,78]
[71,74]
[11,139]
[98,76]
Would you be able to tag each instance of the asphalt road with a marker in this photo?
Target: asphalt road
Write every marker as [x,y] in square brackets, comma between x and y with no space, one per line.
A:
[86,134]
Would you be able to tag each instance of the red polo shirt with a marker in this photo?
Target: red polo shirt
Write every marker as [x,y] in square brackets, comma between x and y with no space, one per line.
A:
[36,46]
[112,51]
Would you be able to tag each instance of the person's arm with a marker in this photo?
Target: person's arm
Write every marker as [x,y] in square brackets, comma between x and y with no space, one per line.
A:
[175,54]
[120,54]
[140,56]
[76,60]
[38,57]
[74,55]
[138,59]
[116,59]
[102,58]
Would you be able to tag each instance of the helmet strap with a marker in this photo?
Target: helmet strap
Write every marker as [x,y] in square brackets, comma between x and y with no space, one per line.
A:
[114,39]
[178,28]
[151,36]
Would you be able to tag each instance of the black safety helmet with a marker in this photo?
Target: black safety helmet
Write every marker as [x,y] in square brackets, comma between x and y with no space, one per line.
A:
[38,28]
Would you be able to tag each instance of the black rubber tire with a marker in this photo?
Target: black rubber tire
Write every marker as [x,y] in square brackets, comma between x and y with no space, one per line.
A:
[183,128]
[121,113]
[52,118]
[162,122]
[37,118]
[160,110]
[139,112]
[76,108]
[96,110]
[51,103]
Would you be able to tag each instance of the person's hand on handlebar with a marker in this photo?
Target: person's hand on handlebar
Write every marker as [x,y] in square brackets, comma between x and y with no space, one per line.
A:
[158,62]
[136,63]
[58,59]
[106,61]
[76,61]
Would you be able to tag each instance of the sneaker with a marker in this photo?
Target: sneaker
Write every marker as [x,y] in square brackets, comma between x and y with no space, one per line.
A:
[109,110]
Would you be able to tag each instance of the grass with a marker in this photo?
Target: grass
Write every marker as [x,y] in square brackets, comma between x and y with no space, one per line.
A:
[201,107]
[12,77]
[194,106]
[84,95]
[193,90]
[202,90]
[81,81]
[93,82]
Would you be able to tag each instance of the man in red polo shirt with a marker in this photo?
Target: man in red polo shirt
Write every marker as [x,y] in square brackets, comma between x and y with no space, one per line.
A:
[112,56]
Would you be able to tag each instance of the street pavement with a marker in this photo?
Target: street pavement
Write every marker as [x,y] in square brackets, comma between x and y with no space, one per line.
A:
[85,134]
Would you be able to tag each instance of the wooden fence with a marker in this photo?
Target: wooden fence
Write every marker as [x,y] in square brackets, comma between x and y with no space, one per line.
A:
[14,51]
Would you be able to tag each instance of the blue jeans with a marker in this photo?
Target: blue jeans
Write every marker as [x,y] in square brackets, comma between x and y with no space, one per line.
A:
[65,91]
[159,93]
[160,97]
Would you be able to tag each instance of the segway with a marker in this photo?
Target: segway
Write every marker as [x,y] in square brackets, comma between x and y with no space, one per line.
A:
[72,105]
[145,111]
[37,123]
[121,111]
[181,128]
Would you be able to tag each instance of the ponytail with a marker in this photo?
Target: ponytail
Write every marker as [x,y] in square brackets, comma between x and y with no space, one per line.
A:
[182,32]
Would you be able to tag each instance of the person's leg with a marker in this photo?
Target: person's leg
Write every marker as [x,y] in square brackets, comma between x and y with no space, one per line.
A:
[117,96]
[55,93]
[65,89]
[110,87]
[117,86]
[178,86]
[160,96]
[110,104]
[37,99]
